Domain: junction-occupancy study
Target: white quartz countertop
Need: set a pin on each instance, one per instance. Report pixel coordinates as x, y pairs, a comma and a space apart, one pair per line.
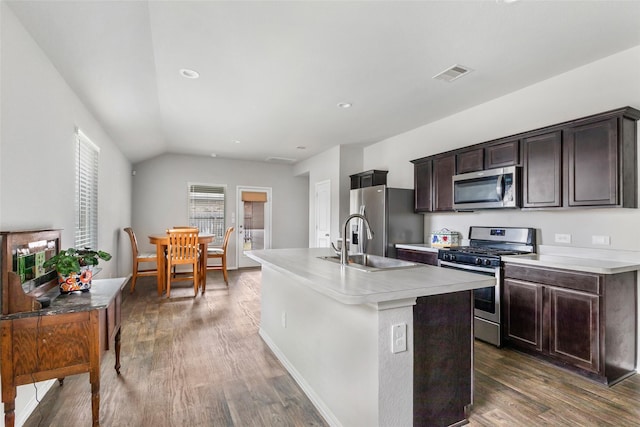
351, 286
585, 264
425, 247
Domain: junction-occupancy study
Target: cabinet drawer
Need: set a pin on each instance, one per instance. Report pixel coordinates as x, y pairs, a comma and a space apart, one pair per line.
423, 257
578, 281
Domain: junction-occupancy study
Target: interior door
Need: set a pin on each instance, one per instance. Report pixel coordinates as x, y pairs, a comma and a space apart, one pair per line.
254, 222
323, 214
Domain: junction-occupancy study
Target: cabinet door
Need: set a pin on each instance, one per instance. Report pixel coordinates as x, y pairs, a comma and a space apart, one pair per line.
443, 170
522, 307
470, 161
573, 328
355, 181
542, 171
502, 155
422, 173
592, 163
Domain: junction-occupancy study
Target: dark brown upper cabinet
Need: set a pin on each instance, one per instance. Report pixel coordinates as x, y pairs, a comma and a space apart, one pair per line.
591, 151
590, 161
470, 160
433, 183
368, 178
601, 161
542, 171
585, 162
502, 154
423, 184
444, 167
488, 156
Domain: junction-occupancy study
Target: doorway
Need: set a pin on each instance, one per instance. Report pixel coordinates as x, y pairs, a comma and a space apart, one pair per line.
254, 222
323, 214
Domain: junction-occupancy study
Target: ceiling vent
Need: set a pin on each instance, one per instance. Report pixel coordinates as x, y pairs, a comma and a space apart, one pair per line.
452, 73
274, 159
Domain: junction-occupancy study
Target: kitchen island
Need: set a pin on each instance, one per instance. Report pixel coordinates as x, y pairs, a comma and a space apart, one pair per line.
371, 348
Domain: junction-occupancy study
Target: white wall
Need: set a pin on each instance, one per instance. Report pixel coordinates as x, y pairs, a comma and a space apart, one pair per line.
39, 113
322, 167
160, 196
335, 165
39, 116
350, 163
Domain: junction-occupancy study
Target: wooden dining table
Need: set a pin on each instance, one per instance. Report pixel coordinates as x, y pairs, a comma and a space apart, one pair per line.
162, 241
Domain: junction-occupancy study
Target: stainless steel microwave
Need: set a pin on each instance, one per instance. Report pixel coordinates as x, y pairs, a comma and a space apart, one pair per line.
494, 188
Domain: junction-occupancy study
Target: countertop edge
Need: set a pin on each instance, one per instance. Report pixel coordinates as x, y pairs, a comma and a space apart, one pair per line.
314, 281
576, 264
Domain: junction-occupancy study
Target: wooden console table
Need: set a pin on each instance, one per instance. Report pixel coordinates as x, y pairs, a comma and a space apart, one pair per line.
66, 338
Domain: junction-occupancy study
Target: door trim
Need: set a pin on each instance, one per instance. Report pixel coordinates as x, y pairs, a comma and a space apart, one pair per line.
268, 220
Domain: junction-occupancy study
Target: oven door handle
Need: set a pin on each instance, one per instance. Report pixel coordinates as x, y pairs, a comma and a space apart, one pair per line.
463, 267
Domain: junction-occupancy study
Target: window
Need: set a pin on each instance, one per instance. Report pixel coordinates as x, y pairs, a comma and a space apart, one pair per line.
86, 192
206, 210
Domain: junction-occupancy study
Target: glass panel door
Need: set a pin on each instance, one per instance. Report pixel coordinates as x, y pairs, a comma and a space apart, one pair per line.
254, 222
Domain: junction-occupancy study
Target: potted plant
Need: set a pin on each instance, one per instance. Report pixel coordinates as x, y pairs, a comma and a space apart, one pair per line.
75, 268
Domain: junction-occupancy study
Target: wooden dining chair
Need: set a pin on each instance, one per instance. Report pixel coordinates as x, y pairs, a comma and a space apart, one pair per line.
183, 250
221, 253
140, 257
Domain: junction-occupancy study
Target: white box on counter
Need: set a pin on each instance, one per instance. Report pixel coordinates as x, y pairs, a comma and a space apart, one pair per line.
445, 238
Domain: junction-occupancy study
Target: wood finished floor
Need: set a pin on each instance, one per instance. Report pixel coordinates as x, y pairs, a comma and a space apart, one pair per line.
200, 362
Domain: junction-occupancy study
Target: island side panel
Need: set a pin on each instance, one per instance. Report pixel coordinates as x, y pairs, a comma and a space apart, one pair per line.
443, 351
395, 365
330, 348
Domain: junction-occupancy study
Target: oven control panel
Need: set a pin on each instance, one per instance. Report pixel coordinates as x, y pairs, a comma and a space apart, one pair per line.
469, 259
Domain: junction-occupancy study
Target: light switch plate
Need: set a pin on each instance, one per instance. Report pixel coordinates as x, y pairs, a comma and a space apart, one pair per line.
563, 238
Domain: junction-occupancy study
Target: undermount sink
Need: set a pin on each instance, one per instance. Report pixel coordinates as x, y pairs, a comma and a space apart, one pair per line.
367, 262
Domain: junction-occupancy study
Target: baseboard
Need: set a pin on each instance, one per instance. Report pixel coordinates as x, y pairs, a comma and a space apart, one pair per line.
32, 404
324, 410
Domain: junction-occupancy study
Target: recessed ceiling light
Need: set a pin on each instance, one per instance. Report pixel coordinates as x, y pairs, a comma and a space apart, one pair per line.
189, 74
345, 105
236, 141
214, 155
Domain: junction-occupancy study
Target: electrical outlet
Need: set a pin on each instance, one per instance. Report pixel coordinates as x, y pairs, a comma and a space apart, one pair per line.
600, 240
284, 319
399, 338
563, 238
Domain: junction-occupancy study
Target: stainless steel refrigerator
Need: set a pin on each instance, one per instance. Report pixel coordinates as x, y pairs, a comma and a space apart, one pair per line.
391, 216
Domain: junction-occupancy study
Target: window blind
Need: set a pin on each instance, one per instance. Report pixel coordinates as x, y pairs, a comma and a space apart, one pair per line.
86, 235
254, 196
206, 210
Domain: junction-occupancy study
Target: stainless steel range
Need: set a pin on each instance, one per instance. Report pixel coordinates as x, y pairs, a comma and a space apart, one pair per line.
483, 256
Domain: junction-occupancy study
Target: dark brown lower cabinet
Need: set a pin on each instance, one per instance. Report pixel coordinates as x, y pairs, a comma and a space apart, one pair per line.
574, 327
423, 257
523, 314
442, 363
585, 322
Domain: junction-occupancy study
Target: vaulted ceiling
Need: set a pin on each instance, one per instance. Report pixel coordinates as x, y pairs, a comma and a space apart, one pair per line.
272, 73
